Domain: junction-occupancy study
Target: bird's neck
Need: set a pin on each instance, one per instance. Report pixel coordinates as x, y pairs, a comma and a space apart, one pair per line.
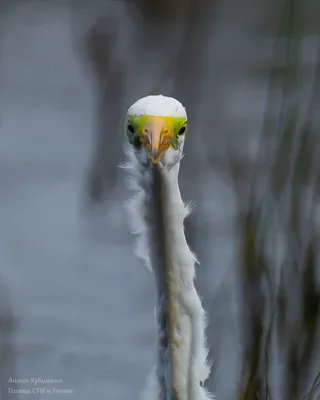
166, 230
173, 266
157, 217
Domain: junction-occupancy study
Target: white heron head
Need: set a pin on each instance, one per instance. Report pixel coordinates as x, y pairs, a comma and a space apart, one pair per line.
156, 128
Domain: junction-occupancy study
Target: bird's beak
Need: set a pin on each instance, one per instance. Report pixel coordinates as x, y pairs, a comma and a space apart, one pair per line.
156, 138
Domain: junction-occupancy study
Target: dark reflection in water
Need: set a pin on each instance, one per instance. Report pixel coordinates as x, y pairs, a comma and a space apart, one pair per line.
7, 349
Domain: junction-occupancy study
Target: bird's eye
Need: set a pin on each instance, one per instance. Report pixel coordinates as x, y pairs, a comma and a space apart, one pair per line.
130, 129
182, 130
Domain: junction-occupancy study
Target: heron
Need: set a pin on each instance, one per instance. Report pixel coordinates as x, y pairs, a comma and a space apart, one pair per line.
155, 131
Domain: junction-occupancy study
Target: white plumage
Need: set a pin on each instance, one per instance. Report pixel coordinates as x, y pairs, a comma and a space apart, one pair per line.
161, 106
185, 334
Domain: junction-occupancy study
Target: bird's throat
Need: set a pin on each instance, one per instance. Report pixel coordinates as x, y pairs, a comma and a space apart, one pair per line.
166, 279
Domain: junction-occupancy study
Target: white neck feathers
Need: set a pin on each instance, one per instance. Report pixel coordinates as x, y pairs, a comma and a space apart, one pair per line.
176, 295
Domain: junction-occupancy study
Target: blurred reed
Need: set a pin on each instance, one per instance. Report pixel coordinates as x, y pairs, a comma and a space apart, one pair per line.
281, 306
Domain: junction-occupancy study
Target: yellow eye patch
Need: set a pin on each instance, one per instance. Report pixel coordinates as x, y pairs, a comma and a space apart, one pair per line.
171, 123
173, 126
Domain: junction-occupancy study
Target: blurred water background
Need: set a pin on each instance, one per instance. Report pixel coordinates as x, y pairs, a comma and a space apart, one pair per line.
75, 305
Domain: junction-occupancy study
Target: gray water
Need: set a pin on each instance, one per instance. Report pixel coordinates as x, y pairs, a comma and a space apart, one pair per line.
81, 304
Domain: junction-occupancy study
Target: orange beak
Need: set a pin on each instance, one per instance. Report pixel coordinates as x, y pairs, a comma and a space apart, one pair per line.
156, 138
